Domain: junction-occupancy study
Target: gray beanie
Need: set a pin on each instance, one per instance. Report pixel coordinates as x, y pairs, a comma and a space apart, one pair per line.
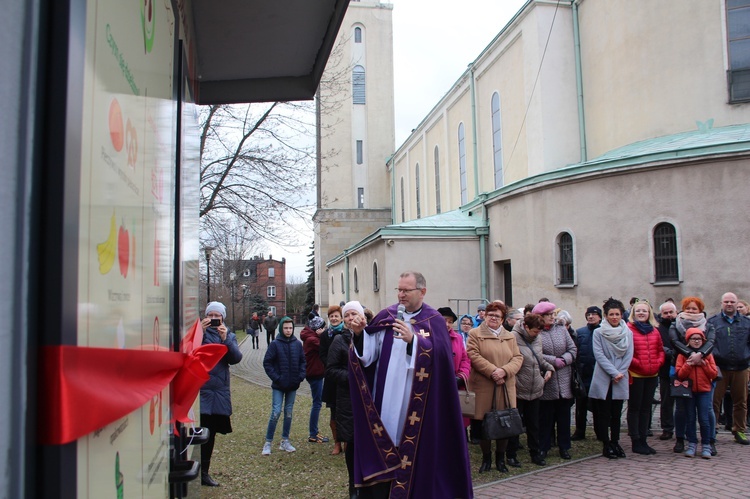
216, 306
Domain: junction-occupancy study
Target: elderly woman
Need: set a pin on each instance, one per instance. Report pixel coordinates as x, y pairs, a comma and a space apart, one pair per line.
560, 350
495, 360
530, 380
613, 351
691, 316
335, 327
216, 398
337, 371
648, 356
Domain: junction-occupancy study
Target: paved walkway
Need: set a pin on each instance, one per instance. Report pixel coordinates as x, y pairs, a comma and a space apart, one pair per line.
664, 475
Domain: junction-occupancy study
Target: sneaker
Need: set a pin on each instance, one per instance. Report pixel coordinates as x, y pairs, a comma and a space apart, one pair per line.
266, 449
740, 438
318, 439
706, 451
287, 446
690, 451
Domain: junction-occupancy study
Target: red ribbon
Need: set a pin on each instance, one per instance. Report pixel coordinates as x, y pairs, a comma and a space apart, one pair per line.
82, 389
685, 383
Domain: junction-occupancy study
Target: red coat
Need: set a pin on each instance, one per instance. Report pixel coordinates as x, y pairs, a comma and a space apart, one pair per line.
315, 368
648, 352
461, 363
702, 376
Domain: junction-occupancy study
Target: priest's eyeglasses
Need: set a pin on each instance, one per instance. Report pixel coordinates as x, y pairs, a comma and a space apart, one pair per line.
404, 290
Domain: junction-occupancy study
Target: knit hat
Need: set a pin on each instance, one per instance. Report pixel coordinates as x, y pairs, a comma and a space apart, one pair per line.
693, 331
216, 306
481, 307
594, 310
353, 305
316, 323
447, 312
545, 307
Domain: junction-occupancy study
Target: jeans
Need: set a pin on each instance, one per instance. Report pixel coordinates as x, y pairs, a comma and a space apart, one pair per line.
277, 398
680, 417
316, 387
700, 402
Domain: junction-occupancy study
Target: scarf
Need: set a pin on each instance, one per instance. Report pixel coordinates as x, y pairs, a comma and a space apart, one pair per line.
643, 327
335, 329
685, 321
617, 337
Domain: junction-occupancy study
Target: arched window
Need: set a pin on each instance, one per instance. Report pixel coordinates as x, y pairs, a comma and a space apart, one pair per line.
375, 279
342, 283
497, 140
666, 267
403, 211
358, 35
419, 204
565, 259
438, 208
462, 162
356, 281
358, 85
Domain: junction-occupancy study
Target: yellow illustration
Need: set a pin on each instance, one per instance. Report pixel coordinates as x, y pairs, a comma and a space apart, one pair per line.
108, 249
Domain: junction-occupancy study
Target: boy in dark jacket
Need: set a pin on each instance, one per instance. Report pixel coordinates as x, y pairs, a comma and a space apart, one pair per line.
285, 365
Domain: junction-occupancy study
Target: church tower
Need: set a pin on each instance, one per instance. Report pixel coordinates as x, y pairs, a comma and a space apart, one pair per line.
355, 138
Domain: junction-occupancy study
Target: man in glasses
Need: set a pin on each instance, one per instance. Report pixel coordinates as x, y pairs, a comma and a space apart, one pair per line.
405, 402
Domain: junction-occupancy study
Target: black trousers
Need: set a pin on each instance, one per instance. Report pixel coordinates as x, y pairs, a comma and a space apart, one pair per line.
529, 410
639, 406
666, 409
607, 418
551, 413
582, 409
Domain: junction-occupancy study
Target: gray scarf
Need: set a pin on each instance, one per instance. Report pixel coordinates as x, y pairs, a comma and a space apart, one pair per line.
685, 321
618, 337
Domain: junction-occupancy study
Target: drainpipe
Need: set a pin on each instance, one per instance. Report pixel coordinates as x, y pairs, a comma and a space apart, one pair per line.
393, 188
579, 82
346, 273
474, 130
483, 232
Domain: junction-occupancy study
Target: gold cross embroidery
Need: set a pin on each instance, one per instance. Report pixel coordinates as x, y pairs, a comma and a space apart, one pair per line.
422, 375
405, 462
413, 418
376, 428
424, 334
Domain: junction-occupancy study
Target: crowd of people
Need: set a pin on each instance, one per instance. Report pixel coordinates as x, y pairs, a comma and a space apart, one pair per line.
391, 381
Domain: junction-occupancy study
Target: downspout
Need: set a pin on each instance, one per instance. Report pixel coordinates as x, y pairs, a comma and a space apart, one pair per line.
579, 82
474, 130
483, 232
393, 189
346, 272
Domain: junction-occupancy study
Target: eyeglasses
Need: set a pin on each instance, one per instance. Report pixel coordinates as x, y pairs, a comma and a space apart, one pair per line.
402, 290
494, 316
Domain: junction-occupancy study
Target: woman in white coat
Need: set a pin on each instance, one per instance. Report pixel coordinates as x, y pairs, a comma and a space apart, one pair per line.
613, 351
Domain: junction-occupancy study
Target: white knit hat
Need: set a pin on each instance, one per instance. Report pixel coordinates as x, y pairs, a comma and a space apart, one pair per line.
216, 306
353, 305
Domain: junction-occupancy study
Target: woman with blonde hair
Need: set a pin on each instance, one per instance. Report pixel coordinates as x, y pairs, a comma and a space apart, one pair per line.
648, 356
495, 360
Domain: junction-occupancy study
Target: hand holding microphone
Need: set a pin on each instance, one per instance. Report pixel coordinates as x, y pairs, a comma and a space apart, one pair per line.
397, 327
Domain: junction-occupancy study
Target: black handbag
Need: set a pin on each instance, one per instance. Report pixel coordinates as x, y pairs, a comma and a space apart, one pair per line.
681, 388
576, 383
505, 423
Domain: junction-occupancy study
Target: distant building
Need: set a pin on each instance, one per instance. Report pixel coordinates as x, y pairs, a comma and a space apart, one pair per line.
265, 277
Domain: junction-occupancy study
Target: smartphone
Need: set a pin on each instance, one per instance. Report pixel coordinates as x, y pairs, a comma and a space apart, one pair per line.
215, 322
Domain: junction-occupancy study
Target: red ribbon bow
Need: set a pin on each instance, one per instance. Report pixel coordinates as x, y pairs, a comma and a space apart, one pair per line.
685, 383
82, 389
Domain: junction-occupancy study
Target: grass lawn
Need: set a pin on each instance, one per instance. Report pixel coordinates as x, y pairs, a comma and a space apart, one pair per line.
311, 471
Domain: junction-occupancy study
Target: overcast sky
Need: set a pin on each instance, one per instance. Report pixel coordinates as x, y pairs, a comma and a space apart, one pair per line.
433, 43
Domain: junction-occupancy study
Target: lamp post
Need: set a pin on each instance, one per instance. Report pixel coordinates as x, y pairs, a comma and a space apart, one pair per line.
208, 250
244, 305
232, 277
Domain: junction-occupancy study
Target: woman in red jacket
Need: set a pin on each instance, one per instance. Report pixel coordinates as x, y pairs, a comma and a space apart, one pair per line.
648, 356
701, 375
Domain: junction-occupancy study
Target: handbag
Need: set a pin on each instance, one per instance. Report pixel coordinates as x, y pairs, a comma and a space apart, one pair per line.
505, 423
467, 399
576, 383
681, 388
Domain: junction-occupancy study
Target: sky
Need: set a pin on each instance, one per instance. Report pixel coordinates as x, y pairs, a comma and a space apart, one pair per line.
433, 43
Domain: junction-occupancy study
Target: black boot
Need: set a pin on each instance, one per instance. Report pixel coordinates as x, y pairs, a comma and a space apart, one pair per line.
513, 461
207, 480
608, 451
486, 463
500, 462
538, 459
650, 449
619, 452
679, 446
639, 446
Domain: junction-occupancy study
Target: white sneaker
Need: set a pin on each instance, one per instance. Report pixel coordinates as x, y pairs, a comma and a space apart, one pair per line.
266, 449
287, 446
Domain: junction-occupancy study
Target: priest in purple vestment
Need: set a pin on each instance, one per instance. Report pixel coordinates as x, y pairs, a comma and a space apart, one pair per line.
408, 428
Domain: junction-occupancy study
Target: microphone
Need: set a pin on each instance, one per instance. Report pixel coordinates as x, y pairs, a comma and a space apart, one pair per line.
399, 315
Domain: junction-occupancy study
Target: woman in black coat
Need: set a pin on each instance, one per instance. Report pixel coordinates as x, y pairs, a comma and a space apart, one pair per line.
337, 371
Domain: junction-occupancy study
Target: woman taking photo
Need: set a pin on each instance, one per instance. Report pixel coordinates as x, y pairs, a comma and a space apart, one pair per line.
648, 356
530, 380
495, 360
613, 351
335, 327
559, 350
